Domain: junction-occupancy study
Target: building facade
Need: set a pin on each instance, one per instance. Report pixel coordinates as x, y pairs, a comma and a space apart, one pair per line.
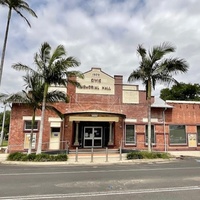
105, 112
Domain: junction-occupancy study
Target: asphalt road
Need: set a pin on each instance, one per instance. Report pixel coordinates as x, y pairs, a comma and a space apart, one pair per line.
173, 180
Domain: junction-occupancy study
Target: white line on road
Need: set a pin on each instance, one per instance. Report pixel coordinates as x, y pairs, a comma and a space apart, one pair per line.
94, 194
99, 171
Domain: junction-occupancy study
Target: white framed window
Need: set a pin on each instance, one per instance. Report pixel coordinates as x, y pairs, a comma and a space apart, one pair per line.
130, 134
27, 125
177, 135
153, 135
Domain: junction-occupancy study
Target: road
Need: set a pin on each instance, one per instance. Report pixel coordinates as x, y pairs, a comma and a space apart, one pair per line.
173, 180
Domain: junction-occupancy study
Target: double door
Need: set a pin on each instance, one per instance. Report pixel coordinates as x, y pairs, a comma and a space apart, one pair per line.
92, 137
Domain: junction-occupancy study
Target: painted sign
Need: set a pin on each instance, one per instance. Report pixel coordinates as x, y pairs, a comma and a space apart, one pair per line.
192, 140
96, 82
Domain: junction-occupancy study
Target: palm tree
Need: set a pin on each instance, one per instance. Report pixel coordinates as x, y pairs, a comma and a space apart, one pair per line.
52, 69
32, 97
18, 6
155, 68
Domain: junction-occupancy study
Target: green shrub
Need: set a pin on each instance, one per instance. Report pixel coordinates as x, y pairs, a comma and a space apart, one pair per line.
61, 157
147, 155
18, 156
31, 157
134, 155
43, 157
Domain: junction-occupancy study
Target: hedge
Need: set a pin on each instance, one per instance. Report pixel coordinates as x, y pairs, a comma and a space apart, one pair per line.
146, 155
18, 156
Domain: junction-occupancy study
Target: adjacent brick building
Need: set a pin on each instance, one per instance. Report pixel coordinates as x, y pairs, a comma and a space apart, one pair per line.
105, 112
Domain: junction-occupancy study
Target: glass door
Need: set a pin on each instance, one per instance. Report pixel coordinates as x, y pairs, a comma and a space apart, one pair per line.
92, 137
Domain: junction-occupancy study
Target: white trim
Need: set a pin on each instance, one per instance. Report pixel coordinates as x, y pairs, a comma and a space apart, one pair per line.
185, 102
55, 124
130, 120
152, 119
95, 119
29, 118
55, 119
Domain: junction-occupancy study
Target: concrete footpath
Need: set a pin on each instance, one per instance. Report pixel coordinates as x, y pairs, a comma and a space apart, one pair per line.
88, 159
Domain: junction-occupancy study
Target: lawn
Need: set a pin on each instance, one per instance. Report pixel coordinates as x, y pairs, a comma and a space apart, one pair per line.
5, 143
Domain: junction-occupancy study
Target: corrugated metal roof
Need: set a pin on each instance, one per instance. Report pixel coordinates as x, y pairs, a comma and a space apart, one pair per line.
159, 103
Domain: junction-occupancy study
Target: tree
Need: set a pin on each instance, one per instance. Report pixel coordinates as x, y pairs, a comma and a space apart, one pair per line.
18, 6
32, 97
52, 68
154, 68
4, 128
181, 91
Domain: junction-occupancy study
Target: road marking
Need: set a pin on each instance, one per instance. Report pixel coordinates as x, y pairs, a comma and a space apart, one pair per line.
99, 171
94, 194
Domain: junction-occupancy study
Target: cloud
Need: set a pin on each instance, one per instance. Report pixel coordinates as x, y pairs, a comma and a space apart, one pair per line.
103, 34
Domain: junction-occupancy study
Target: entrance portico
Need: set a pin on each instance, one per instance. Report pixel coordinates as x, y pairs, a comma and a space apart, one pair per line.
94, 129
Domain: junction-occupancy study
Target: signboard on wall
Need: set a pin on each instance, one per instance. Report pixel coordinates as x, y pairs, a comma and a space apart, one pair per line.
27, 139
192, 140
96, 82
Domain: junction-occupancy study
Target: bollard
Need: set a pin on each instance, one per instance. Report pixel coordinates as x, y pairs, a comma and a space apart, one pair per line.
76, 159
106, 154
120, 153
92, 151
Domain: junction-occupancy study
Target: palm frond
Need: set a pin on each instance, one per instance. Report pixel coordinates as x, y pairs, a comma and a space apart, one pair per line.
18, 6
18, 97
71, 62
158, 52
74, 74
19, 13
44, 54
175, 65
141, 51
25, 6
22, 67
58, 53
55, 110
3, 2
56, 96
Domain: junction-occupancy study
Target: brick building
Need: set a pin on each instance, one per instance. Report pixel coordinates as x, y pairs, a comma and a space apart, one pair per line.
104, 112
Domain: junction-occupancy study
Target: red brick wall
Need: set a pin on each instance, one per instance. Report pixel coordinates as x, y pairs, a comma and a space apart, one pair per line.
186, 114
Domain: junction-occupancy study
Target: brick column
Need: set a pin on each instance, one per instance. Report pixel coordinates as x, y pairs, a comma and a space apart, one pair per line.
110, 134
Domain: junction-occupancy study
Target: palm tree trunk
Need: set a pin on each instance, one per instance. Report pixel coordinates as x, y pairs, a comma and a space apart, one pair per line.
39, 147
149, 114
4, 44
31, 135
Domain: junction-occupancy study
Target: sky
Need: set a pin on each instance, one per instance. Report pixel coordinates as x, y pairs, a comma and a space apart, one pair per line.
103, 34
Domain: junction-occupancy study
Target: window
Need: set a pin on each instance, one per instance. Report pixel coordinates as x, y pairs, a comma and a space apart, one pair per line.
130, 134
153, 138
198, 134
177, 134
27, 125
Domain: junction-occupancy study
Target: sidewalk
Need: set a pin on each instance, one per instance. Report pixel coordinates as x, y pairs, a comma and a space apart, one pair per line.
88, 159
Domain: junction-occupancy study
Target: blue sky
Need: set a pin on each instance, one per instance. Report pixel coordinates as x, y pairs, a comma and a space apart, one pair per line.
103, 33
